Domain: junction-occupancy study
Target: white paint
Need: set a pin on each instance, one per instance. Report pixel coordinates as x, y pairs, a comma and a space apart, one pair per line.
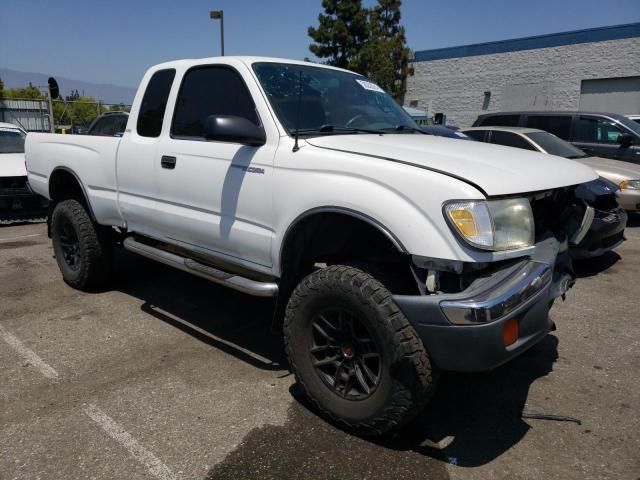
29, 355
137, 451
11, 239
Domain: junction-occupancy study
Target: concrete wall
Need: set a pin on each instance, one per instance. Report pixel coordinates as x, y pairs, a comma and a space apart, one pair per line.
540, 79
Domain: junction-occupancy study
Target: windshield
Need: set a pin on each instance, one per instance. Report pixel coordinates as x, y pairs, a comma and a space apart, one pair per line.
554, 145
331, 101
630, 124
11, 141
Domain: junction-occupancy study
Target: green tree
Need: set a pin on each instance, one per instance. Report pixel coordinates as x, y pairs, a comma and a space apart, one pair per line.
341, 31
386, 56
29, 92
79, 111
368, 41
1, 88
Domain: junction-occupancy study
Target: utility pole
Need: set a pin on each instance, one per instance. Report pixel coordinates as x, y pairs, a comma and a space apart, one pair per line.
219, 15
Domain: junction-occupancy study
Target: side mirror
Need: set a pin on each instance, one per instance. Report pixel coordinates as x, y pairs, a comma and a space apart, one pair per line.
230, 128
626, 139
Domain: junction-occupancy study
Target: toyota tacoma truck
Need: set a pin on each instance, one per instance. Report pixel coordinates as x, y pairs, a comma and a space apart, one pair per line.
392, 254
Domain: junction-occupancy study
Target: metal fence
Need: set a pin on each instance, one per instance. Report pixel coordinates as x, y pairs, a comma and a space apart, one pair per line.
31, 115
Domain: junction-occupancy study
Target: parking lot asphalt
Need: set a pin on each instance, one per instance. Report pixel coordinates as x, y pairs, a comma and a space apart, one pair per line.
168, 376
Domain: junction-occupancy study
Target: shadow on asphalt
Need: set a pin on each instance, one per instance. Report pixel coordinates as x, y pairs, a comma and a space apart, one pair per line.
472, 419
230, 321
634, 220
588, 267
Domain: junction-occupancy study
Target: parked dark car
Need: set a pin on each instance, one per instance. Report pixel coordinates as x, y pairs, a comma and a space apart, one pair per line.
110, 124
598, 134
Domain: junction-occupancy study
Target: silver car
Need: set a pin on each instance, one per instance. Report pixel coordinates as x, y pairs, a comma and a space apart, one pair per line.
624, 174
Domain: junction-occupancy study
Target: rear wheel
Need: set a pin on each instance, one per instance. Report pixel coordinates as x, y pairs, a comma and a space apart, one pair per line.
82, 248
354, 353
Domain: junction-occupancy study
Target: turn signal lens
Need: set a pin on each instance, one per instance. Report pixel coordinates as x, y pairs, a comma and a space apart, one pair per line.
463, 219
510, 332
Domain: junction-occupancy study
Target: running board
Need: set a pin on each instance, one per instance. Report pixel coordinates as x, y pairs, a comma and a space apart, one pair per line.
243, 284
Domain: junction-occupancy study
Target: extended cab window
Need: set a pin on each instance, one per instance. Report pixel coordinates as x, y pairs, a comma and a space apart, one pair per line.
559, 125
509, 139
479, 135
154, 103
205, 91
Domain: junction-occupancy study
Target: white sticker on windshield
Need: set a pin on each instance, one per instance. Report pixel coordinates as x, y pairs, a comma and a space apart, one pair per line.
369, 86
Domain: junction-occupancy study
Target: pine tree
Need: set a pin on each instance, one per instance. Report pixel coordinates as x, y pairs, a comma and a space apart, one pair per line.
368, 41
385, 55
341, 32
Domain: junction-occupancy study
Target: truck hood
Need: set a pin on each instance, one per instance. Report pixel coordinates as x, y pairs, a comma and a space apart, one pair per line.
616, 170
12, 165
495, 169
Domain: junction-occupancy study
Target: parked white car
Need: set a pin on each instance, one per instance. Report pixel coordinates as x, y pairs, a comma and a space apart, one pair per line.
15, 194
393, 254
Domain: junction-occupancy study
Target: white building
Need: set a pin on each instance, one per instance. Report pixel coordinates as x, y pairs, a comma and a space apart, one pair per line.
596, 69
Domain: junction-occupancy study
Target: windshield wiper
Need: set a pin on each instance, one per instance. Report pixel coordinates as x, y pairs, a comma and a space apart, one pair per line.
405, 128
331, 129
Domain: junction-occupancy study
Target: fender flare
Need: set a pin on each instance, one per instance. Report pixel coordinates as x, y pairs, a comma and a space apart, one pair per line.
82, 188
345, 211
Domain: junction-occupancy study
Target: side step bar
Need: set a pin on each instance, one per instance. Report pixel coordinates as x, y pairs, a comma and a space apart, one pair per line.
246, 285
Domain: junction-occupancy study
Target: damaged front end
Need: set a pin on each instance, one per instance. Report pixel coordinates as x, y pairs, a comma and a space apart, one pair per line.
18, 202
475, 316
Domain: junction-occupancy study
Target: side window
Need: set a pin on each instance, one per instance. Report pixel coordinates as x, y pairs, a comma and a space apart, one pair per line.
596, 130
509, 139
479, 135
121, 124
103, 126
154, 103
208, 91
559, 125
501, 121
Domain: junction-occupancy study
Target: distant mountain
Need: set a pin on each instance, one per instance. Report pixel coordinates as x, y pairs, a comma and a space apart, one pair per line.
106, 93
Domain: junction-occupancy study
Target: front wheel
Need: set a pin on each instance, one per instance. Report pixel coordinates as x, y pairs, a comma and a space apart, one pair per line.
354, 353
82, 248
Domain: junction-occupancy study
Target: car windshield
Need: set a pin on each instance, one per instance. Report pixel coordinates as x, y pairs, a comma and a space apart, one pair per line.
627, 122
11, 141
555, 146
330, 101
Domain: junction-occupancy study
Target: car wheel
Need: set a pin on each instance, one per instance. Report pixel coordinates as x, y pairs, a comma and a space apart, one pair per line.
354, 353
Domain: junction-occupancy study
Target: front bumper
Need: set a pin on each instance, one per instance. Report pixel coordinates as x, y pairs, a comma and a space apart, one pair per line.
464, 331
606, 233
16, 194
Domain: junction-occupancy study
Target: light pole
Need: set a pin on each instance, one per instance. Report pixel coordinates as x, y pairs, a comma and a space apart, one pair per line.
219, 15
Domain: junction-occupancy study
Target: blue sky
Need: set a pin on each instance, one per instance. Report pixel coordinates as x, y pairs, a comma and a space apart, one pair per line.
115, 41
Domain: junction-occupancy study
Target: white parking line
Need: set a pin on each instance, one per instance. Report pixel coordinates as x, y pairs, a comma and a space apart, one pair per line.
11, 239
137, 451
29, 355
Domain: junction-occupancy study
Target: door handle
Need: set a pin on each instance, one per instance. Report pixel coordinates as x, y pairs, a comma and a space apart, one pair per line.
168, 162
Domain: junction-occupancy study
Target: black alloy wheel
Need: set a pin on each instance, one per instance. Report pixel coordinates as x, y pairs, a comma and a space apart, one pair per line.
345, 355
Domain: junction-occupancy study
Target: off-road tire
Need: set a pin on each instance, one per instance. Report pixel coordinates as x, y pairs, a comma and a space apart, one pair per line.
93, 268
407, 378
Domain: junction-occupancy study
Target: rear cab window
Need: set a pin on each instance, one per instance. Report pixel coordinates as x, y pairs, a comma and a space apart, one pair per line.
479, 135
154, 103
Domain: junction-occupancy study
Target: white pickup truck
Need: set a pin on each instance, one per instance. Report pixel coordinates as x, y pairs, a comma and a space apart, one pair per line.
392, 254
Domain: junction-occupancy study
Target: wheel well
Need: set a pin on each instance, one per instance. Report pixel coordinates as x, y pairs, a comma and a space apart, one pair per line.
337, 237
64, 185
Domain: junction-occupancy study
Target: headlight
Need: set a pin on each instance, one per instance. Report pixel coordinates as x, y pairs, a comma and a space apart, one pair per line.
493, 225
630, 185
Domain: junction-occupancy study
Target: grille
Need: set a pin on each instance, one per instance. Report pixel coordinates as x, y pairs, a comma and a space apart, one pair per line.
14, 185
